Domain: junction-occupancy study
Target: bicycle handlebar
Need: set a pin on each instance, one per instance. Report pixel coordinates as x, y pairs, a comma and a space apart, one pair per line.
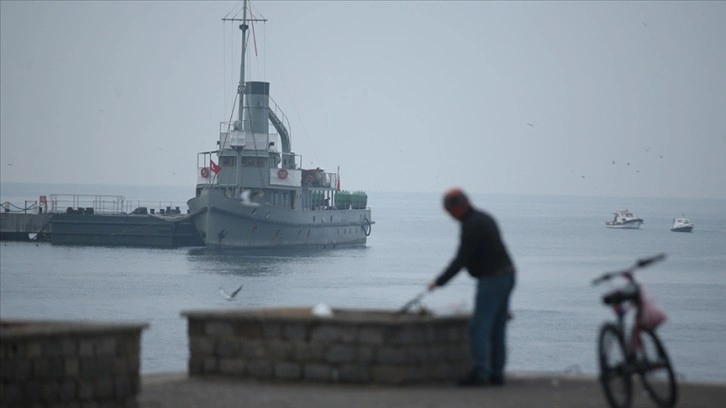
602, 278
640, 263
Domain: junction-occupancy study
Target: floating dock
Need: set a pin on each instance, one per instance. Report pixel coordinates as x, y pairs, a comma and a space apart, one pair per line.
100, 221
101, 230
25, 227
124, 230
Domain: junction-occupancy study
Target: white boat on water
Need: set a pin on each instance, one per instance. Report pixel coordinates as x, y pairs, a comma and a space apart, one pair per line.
682, 224
624, 219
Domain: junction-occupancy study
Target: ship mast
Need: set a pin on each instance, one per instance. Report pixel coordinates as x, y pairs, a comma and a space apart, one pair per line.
241, 86
238, 124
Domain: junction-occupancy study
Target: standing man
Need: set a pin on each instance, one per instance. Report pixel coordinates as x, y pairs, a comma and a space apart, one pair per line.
484, 255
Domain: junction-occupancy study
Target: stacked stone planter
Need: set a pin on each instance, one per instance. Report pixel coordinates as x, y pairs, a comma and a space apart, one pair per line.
57, 364
358, 346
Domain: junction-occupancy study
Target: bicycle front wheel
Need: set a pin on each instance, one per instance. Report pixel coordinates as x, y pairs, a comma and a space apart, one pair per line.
656, 370
615, 377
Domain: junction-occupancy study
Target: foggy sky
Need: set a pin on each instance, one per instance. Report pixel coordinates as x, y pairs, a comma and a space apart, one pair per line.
530, 98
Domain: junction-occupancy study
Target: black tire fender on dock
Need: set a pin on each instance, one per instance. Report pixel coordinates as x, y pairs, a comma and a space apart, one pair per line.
366, 224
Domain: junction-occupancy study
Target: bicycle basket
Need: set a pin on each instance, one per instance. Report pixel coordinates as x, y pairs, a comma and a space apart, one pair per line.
651, 316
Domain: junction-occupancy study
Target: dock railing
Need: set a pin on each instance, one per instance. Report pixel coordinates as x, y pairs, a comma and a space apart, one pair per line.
95, 204
155, 207
80, 203
29, 207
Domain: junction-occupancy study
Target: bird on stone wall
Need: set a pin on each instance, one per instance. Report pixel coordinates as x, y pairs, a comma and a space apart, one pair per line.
230, 296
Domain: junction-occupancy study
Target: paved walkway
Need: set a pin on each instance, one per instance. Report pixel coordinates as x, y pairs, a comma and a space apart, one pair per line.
523, 390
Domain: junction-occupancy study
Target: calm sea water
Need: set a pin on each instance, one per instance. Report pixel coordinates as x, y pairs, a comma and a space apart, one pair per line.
559, 244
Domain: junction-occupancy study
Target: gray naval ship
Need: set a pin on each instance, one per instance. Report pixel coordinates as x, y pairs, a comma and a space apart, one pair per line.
256, 196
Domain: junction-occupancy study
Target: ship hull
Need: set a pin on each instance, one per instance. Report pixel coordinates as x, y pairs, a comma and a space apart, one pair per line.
682, 229
225, 222
635, 224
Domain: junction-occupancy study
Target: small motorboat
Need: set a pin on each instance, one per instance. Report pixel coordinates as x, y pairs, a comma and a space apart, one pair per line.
682, 224
624, 219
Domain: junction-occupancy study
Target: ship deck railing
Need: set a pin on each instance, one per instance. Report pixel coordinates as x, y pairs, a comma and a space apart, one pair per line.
275, 108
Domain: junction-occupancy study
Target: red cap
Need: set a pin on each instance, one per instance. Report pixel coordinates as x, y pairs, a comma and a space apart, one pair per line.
456, 203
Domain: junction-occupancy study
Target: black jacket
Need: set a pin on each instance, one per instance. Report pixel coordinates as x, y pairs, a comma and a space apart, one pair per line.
481, 249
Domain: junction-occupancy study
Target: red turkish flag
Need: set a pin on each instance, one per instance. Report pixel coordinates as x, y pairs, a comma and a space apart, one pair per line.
213, 166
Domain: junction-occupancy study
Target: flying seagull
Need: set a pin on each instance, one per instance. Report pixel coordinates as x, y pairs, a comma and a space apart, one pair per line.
230, 296
245, 196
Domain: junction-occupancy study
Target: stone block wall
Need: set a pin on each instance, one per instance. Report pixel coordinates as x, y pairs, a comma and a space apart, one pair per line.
66, 364
357, 346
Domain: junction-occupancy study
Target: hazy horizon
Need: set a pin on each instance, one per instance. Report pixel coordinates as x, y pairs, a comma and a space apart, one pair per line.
118, 189
536, 98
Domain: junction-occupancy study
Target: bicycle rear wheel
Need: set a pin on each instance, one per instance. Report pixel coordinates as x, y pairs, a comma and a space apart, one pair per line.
656, 370
615, 377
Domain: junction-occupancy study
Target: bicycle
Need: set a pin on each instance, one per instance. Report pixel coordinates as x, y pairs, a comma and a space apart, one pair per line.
624, 352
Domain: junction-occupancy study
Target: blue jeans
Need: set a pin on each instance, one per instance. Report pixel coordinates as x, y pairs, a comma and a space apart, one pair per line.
488, 324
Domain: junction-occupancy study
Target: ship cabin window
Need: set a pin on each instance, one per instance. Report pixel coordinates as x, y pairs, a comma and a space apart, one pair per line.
253, 162
227, 161
280, 199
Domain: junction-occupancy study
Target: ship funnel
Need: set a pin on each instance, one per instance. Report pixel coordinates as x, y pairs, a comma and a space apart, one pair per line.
257, 98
